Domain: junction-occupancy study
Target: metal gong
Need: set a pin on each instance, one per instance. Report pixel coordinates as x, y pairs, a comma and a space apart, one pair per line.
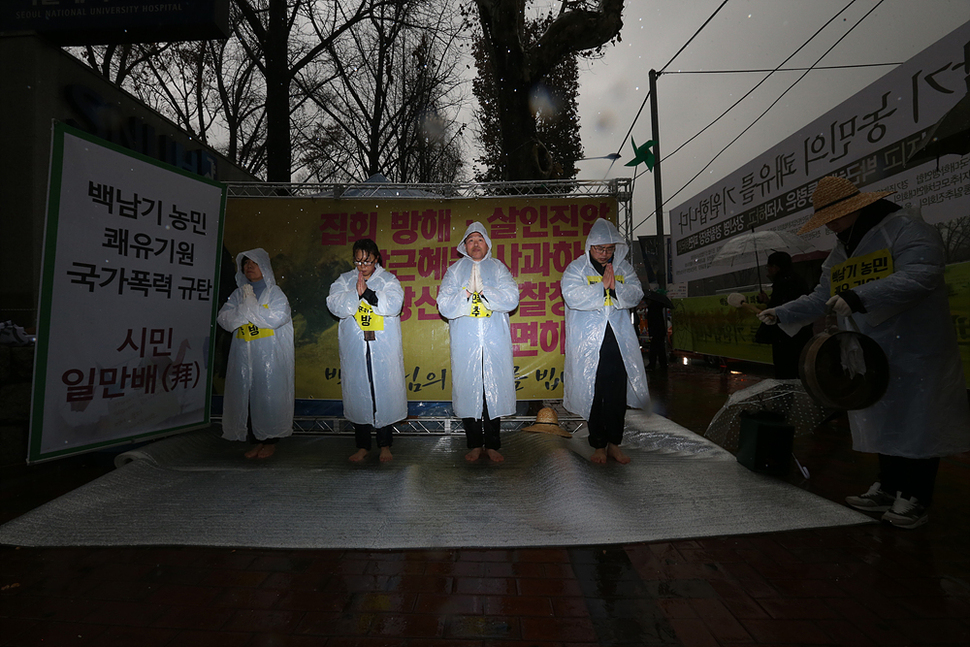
821, 371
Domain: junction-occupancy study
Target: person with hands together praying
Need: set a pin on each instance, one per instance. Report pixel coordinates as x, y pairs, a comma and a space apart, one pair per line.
476, 296
259, 392
368, 301
603, 372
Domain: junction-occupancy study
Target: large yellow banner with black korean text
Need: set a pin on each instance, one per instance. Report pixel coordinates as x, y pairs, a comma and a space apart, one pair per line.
310, 243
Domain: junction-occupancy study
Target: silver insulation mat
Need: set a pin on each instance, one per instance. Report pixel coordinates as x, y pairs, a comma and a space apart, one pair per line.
197, 489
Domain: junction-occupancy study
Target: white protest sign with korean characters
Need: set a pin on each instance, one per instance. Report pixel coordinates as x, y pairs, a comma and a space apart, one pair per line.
128, 300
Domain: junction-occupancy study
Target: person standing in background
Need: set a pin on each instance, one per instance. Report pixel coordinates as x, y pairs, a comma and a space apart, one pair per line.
786, 285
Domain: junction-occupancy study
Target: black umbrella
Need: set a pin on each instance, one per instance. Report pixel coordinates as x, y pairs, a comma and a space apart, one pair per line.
662, 299
950, 135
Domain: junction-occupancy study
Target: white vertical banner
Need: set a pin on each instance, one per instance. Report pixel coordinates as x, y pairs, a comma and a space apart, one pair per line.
128, 300
868, 139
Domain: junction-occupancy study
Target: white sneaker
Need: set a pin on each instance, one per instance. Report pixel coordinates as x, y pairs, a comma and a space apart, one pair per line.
906, 513
875, 500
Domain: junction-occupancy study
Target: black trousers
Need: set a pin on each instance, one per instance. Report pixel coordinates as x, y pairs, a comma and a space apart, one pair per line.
484, 432
609, 395
910, 476
362, 436
385, 435
787, 351
657, 354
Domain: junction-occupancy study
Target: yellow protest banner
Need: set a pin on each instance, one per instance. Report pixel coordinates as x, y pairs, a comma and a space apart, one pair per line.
309, 241
708, 325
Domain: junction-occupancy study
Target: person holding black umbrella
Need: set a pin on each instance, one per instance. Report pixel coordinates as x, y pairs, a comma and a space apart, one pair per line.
786, 286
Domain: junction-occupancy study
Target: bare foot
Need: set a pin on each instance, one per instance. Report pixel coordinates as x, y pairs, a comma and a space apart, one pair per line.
494, 455
599, 456
253, 451
614, 452
358, 456
386, 455
266, 451
473, 455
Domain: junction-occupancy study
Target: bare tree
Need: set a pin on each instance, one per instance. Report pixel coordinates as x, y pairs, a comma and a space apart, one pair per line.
956, 239
580, 26
285, 39
398, 85
117, 62
295, 79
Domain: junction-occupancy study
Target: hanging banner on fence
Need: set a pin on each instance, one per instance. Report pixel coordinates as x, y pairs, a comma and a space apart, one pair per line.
127, 308
872, 139
709, 326
310, 243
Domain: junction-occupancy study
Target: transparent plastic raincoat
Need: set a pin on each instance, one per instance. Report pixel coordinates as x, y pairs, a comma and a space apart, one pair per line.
481, 340
259, 376
386, 353
924, 413
588, 314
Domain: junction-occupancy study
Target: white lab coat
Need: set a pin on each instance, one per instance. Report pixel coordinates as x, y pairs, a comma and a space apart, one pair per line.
259, 375
924, 413
390, 402
587, 317
481, 347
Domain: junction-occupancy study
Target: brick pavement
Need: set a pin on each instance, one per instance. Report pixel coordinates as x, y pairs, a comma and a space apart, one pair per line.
861, 585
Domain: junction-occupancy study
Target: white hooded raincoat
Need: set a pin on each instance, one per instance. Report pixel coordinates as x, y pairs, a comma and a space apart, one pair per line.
924, 413
588, 315
386, 353
259, 376
481, 340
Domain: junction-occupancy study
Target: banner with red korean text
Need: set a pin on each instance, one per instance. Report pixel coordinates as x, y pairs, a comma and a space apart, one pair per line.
310, 242
127, 307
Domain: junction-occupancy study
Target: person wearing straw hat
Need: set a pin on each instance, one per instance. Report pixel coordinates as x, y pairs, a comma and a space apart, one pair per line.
603, 373
886, 274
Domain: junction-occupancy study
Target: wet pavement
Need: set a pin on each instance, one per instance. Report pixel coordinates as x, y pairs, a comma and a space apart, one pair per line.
858, 585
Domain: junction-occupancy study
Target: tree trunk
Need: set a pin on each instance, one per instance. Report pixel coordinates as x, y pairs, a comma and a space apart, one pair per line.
517, 71
278, 150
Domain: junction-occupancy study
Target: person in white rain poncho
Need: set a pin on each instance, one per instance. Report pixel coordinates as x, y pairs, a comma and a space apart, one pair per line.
368, 302
905, 309
259, 375
476, 296
604, 372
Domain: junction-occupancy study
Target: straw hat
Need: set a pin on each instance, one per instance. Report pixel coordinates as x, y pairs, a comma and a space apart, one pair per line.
547, 421
835, 197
